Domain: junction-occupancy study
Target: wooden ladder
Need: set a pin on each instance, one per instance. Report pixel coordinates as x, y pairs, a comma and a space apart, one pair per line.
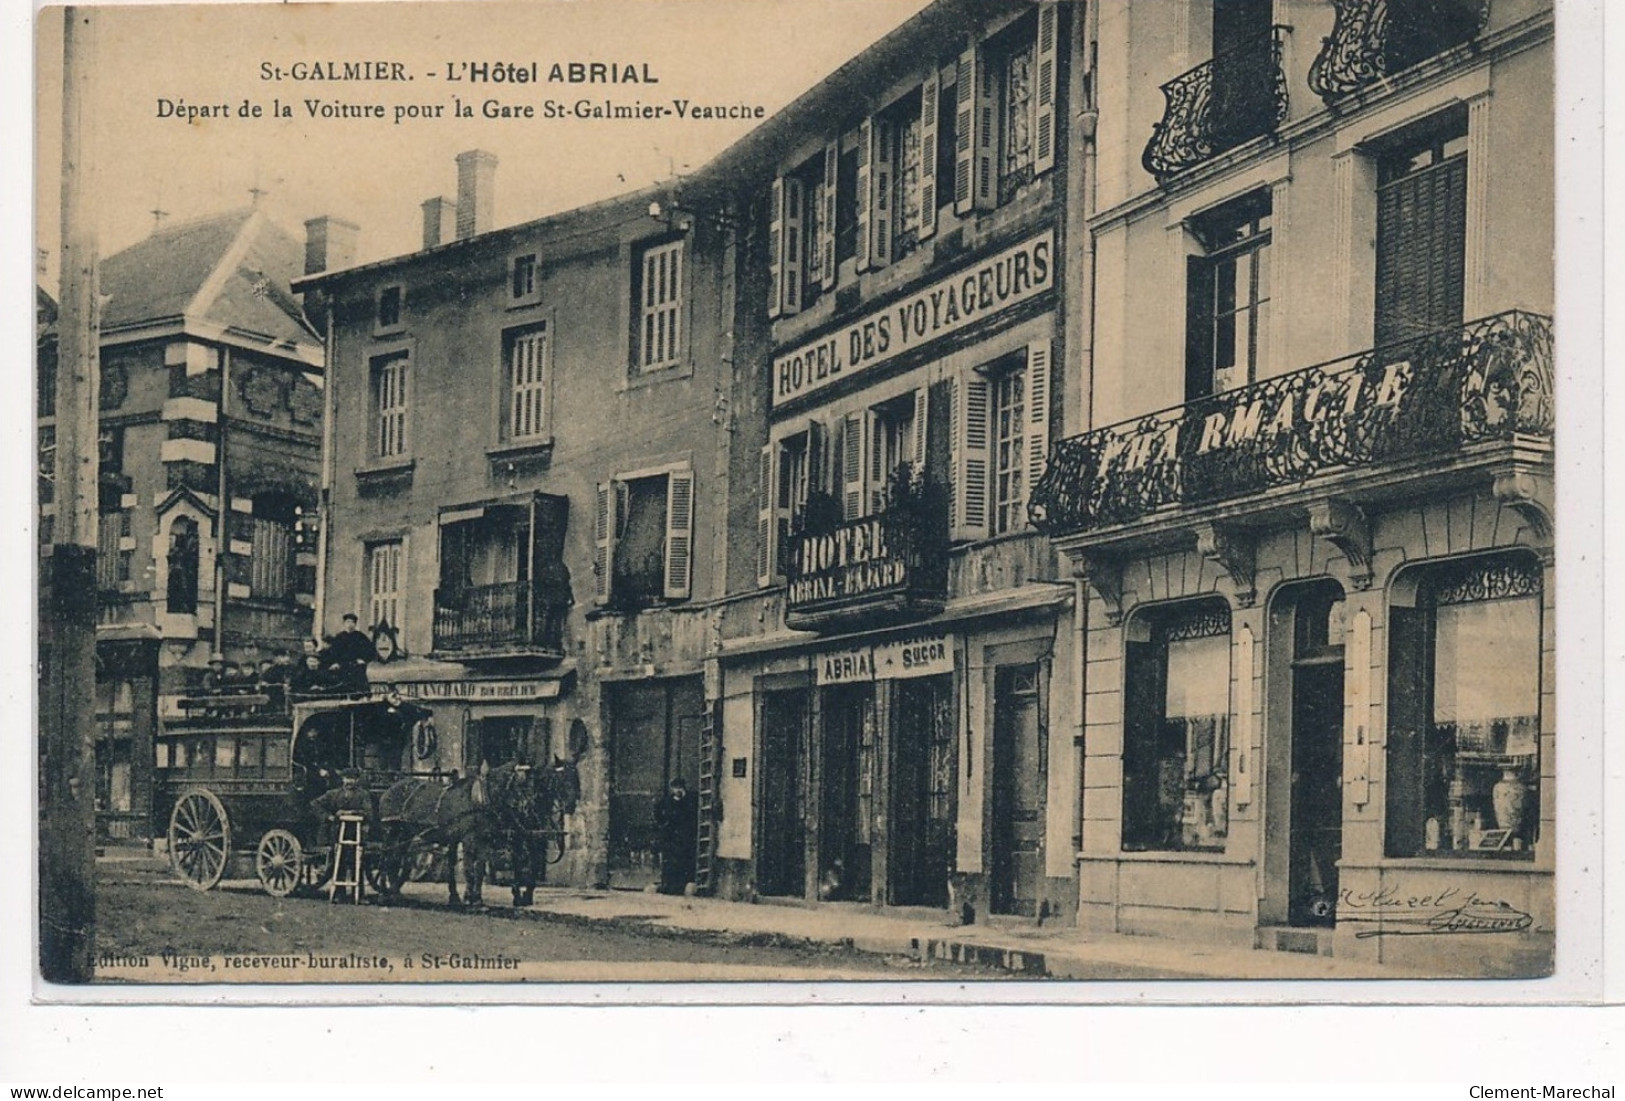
349, 839
710, 747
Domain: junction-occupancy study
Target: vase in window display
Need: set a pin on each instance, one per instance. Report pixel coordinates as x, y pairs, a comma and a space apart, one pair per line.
1510, 798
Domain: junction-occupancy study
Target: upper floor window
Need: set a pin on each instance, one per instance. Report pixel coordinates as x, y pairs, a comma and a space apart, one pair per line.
391, 397
47, 463
1422, 229
388, 316
1000, 441
527, 414
1228, 298
643, 534
384, 568
522, 283
181, 582
115, 549
275, 521
658, 291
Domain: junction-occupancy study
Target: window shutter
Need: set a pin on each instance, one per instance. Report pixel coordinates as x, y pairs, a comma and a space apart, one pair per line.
1038, 381
854, 438
964, 116
972, 394
826, 221
878, 472
679, 533
865, 193
603, 534
985, 139
881, 170
917, 456
930, 91
1421, 252
792, 242
775, 247
1198, 327
817, 442
766, 516
1046, 57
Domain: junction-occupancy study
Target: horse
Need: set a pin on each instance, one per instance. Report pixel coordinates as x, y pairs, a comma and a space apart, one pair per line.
513, 804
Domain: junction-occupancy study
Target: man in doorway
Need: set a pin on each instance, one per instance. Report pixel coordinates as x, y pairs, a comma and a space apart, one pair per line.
677, 827
348, 655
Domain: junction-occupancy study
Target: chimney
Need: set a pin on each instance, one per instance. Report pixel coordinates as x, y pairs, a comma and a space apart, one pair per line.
476, 198
329, 244
439, 221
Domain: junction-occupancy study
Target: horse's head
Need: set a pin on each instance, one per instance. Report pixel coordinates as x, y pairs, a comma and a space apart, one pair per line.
563, 785
514, 791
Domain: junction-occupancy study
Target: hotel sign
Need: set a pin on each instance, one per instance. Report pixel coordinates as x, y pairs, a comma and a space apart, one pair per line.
850, 561
946, 306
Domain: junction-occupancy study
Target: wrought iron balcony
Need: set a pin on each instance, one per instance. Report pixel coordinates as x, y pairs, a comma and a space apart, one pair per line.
1236, 96
1432, 397
889, 567
1373, 39
506, 618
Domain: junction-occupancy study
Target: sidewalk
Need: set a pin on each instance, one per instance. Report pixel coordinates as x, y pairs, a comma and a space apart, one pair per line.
1034, 951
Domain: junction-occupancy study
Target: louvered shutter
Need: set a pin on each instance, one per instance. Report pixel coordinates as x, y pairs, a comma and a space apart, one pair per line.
826, 220
1198, 327
881, 171
864, 197
679, 534
766, 520
817, 443
1421, 251
985, 139
775, 249
1046, 57
926, 185
879, 475
790, 267
854, 438
603, 537
916, 457
971, 408
964, 118
1038, 382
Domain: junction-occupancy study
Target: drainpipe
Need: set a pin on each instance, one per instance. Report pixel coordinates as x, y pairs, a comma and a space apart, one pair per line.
222, 537
324, 499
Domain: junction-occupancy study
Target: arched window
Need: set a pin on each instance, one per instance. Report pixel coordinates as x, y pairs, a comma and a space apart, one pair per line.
183, 566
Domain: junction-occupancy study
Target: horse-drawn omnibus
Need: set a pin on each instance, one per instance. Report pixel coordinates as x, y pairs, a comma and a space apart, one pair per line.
238, 771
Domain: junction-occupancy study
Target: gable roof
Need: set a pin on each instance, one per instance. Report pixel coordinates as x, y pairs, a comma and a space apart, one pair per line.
231, 270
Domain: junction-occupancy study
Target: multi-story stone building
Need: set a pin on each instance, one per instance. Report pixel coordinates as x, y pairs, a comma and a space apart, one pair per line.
526, 487
210, 442
1313, 504
898, 718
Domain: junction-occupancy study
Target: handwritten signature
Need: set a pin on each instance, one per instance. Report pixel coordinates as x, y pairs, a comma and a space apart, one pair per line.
1395, 913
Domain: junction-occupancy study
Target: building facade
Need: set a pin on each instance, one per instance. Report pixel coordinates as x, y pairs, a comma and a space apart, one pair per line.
210, 442
898, 725
1313, 501
526, 490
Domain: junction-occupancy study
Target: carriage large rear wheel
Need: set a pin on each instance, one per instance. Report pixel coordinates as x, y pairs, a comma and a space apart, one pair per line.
280, 863
199, 839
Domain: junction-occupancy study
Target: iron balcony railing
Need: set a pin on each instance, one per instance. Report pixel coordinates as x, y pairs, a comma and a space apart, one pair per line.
1487, 380
1234, 97
1373, 39
503, 616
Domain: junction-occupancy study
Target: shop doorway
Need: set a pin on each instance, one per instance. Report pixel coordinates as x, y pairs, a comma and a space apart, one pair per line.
845, 792
920, 844
654, 738
781, 849
1315, 829
1017, 849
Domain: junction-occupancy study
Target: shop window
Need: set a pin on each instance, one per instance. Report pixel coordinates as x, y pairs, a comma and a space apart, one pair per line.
527, 391
1463, 775
1422, 229
658, 292
391, 405
1228, 298
1176, 729
643, 535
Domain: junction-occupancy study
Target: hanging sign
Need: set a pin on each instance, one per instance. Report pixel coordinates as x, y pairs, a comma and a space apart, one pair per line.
926, 655
487, 691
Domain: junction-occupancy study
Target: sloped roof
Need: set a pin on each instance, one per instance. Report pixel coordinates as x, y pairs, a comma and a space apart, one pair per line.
230, 269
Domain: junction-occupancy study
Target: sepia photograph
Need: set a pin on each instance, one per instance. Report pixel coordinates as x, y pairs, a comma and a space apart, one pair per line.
991, 495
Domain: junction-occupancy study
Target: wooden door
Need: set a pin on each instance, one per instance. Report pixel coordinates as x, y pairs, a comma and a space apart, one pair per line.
782, 832
1316, 841
1018, 793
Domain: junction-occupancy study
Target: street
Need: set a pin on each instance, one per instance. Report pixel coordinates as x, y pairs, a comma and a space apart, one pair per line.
152, 928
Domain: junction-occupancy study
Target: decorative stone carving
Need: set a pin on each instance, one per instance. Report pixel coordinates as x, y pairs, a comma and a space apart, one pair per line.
1104, 574
1236, 553
1345, 527
1529, 494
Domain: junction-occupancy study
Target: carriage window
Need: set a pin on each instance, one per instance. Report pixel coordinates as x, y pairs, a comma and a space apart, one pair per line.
225, 753
276, 754
249, 755
162, 752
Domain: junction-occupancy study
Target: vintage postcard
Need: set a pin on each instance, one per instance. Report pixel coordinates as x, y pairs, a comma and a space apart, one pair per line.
899, 491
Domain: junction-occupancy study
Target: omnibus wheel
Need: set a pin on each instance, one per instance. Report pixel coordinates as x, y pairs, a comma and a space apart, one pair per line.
199, 839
